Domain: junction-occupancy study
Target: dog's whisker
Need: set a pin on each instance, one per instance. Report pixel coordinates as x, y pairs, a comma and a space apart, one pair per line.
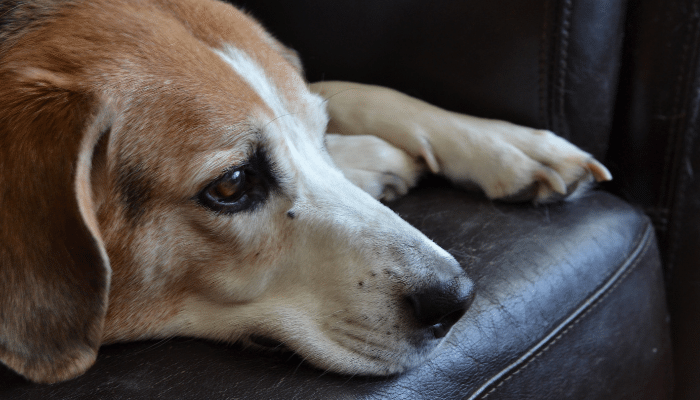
278, 117
303, 360
373, 332
205, 216
156, 344
327, 99
11, 10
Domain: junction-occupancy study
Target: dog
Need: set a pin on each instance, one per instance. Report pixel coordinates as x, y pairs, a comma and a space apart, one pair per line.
165, 170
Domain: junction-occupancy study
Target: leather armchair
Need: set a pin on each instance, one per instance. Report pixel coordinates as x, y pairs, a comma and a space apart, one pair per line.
571, 298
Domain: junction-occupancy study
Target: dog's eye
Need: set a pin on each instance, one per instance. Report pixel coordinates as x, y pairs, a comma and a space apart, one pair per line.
241, 188
229, 188
232, 192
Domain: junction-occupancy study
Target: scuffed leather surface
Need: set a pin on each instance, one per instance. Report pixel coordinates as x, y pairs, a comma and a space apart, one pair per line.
533, 267
597, 349
655, 157
550, 64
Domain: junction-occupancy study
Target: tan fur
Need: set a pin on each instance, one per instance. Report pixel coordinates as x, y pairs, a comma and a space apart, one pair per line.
100, 60
117, 114
171, 114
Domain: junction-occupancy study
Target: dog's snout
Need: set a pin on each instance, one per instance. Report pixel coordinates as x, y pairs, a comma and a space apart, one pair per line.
439, 306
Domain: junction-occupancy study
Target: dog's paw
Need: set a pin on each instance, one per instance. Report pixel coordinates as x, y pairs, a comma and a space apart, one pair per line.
545, 178
516, 163
375, 166
507, 161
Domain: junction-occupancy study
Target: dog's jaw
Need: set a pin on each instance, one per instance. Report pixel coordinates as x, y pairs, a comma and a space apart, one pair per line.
312, 282
192, 91
333, 281
329, 283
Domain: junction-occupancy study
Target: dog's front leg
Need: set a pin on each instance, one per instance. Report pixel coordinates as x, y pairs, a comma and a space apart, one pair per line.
506, 161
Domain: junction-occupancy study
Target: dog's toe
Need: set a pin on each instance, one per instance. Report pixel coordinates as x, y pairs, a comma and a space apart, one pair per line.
375, 166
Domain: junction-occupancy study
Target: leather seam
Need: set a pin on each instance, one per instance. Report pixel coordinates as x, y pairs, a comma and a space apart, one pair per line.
563, 328
683, 143
675, 117
544, 70
563, 63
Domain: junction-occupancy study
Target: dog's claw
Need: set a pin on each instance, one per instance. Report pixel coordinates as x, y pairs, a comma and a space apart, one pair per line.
552, 179
598, 170
426, 151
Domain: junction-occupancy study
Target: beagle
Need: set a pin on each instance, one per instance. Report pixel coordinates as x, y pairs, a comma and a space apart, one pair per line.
165, 171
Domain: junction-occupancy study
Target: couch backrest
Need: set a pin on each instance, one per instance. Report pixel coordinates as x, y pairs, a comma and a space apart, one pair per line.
543, 63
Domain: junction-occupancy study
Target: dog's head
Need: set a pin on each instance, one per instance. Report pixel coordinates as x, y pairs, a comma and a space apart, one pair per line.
163, 172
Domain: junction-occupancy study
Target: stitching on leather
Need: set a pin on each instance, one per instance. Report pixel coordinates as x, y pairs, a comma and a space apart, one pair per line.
646, 239
677, 185
670, 145
563, 64
577, 320
675, 116
543, 75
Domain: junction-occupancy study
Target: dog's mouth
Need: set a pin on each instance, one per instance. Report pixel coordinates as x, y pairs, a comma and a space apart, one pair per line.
355, 352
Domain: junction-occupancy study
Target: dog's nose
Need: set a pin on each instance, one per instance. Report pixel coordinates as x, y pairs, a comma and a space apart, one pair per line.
441, 305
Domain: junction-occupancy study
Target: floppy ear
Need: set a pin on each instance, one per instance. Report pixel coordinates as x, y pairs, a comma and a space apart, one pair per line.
54, 271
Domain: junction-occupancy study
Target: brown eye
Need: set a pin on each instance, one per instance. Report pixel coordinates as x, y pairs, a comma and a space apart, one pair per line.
244, 187
230, 193
229, 188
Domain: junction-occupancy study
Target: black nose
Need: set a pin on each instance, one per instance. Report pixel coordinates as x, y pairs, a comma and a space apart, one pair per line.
440, 306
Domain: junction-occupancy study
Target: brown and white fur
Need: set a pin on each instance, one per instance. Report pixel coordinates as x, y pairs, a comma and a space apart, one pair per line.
164, 171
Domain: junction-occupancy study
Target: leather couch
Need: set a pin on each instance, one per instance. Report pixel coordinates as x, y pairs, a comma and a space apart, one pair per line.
571, 298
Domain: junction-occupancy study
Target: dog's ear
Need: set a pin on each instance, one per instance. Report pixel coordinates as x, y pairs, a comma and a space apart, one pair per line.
54, 271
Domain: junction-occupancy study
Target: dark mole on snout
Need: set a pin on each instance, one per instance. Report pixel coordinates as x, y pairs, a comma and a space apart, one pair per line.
291, 214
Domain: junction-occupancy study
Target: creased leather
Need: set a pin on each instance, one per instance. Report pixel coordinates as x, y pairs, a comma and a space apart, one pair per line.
533, 267
548, 63
581, 351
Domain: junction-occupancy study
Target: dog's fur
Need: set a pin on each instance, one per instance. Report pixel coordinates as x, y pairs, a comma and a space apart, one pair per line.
123, 125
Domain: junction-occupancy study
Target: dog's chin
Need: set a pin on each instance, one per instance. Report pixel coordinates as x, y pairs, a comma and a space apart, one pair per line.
351, 355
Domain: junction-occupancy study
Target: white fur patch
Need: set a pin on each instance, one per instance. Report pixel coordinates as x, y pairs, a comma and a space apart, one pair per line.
256, 78
301, 102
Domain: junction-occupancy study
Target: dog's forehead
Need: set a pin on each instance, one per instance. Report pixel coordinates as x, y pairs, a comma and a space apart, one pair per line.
187, 136
202, 107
